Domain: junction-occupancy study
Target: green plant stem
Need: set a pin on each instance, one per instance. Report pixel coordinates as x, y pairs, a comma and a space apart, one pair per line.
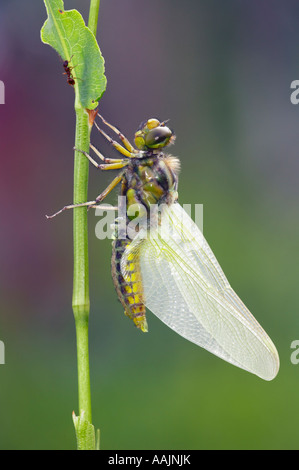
81, 272
81, 303
93, 16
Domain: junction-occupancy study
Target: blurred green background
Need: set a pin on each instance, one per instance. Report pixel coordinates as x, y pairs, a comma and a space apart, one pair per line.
221, 71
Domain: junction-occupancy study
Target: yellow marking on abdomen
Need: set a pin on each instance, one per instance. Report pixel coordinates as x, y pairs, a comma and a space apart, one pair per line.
129, 290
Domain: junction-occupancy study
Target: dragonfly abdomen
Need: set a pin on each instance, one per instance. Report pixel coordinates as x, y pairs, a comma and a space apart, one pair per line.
129, 290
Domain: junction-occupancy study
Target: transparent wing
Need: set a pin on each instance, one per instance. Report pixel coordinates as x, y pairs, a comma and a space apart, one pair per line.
186, 288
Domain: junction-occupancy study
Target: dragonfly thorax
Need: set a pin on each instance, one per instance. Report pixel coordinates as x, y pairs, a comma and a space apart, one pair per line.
151, 180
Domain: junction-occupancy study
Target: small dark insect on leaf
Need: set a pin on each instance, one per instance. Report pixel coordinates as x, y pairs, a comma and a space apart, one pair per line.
66, 32
68, 71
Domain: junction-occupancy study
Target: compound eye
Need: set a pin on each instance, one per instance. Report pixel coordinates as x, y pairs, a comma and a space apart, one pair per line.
139, 140
158, 137
152, 123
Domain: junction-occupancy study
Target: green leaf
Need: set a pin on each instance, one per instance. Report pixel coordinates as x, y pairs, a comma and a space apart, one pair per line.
66, 32
85, 433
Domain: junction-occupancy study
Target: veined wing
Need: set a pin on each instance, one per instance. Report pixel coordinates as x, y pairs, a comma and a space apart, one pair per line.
186, 288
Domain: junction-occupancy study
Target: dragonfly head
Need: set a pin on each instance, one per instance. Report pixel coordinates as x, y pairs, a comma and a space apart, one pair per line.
153, 134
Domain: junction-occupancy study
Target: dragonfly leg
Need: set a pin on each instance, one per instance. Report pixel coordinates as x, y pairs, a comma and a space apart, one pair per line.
124, 139
103, 207
106, 160
109, 188
113, 166
116, 145
92, 204
70, 206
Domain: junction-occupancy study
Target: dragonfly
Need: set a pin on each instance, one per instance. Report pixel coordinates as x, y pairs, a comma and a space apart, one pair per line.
166, 265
